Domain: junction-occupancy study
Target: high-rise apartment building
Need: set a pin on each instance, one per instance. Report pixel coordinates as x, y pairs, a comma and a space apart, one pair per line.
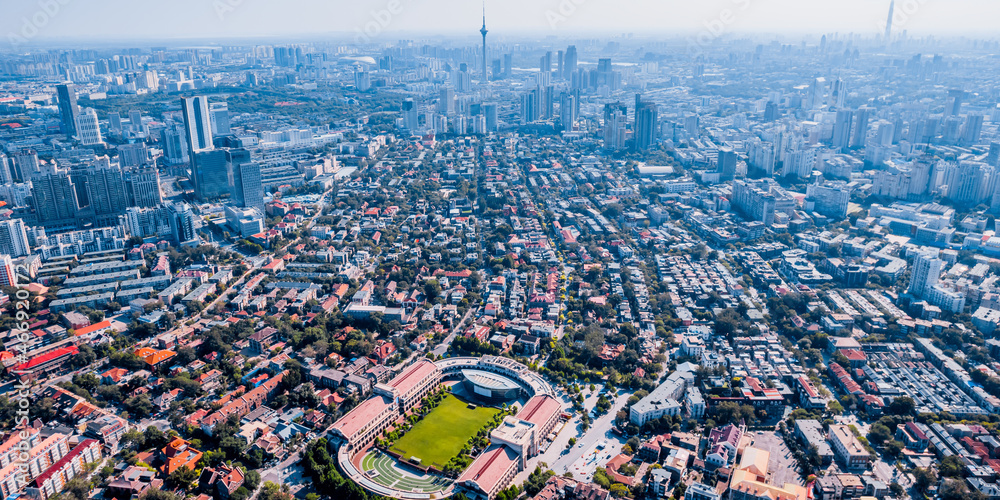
14, 238
925, 274
615, 115
8, 276
143, 185
54, 197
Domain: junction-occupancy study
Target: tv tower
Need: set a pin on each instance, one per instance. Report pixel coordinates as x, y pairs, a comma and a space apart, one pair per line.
888, 22
486, 76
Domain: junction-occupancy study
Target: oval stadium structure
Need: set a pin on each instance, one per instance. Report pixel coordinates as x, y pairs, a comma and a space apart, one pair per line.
490, 387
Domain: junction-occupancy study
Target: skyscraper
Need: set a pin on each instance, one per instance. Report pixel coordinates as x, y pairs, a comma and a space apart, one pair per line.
842, 130
88, 128
569, 67
182, 222
925, 274
6, 175
446, 102
133, 155
888, 22
14, 238
115, 122
143, 184
529, 106
614, 126
54, 197
817, 93
25, 164
175, 147
972, 130
490, 112
218, 113
106, 192
567, 110
993, 159
68, 108
862, 119
410, 117
483, 30
953, 105
210, 172
362, 79
197, 124
771, 112
646, 124
248, 191
135, 122
727, 160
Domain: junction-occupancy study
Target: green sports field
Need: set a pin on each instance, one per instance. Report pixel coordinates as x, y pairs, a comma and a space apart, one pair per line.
442, 433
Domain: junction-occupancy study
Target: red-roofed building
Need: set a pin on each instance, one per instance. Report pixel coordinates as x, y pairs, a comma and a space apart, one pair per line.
178, 453
543, 412
490, 473
49, 362
94, 330
52, 481
413, 383
360, 426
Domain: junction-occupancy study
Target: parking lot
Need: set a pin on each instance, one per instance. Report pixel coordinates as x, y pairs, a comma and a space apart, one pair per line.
782, 466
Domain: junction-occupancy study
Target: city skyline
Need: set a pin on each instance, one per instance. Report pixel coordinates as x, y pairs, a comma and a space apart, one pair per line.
29, 22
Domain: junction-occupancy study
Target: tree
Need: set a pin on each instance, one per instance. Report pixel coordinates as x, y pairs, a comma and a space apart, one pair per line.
923, 479
432, 289
956, 489
835, 407
897, 490
903, 405
158, 494
619, 490
273, 491
183, 478
951, 466
77, 488
879, 434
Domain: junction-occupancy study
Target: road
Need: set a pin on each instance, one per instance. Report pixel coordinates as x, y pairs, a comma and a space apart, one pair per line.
443, 346
580, 460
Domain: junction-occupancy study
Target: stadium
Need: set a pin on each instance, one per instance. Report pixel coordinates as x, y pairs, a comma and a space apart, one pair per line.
411, 466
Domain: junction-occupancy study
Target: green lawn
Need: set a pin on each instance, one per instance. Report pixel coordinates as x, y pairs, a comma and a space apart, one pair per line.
442, 433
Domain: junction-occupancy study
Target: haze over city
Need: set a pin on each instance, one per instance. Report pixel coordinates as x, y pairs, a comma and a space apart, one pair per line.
519, 250
222, 19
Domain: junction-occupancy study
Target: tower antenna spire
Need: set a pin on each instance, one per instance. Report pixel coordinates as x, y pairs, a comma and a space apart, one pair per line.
483, 30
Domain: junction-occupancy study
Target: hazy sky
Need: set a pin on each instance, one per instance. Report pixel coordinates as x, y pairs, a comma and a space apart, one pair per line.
161, 19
